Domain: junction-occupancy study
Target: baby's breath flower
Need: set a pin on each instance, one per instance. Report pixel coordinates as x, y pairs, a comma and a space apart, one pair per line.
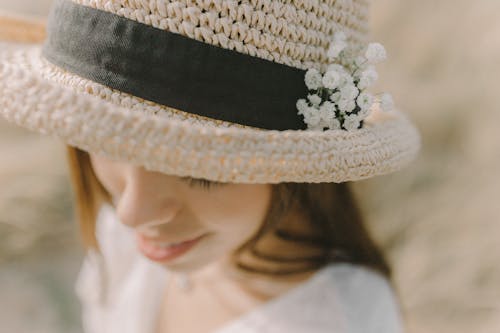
386, 102
346, 105
367, 78
336, 68
360, 61
346, 80
334, 124
318, 127
337, 45
331, 79
301, 105
351, 122
349, 91
327, 111
365, 100
308, 111
312, 117
335, 49
375, 53
363, 113
313, 79
314, 99
335, 97
343, 85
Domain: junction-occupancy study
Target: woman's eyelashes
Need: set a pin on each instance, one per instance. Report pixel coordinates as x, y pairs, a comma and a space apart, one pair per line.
203, 183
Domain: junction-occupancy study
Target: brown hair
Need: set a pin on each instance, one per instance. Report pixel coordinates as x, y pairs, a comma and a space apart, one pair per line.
334, 220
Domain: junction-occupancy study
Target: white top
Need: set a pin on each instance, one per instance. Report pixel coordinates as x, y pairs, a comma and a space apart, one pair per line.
121, 291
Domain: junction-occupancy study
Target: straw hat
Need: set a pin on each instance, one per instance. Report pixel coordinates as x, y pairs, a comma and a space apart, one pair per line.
201, 88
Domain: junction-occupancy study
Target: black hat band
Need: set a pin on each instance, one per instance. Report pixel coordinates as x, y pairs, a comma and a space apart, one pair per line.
173, 70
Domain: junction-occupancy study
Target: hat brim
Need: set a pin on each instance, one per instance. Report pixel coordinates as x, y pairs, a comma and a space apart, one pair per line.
37, 95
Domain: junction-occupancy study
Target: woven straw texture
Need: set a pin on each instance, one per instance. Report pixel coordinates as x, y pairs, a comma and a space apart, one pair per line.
41, 97
292, 32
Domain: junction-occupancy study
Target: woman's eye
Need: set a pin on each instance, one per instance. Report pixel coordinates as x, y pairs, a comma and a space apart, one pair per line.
206, 184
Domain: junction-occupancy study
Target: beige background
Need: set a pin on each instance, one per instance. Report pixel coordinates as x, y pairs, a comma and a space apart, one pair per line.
437, 219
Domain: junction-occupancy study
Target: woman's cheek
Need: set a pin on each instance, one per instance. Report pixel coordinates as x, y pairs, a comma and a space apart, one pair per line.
109, 175
233, 210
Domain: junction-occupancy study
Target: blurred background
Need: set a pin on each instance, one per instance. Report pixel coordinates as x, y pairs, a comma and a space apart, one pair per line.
438, 219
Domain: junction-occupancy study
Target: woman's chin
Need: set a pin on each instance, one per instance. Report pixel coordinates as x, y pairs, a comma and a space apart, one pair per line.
184, 267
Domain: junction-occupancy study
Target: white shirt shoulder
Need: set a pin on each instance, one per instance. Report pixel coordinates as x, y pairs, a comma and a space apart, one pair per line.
343, 298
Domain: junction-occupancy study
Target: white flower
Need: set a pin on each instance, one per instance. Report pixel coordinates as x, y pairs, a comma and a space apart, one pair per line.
351, 122
336, 68
346, 57
327, 111
346, 105
360, 61
313, 79
375, 53
309, 110
337, 45
363, 113
334, 124
331, 79
301, 105
367, 78
312, 117
334, 49
386, 102
335, 97
365, 100
346, 80
314, 99
349, 91
318, 127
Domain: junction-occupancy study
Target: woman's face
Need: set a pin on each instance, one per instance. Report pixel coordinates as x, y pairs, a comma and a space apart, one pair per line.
173, 209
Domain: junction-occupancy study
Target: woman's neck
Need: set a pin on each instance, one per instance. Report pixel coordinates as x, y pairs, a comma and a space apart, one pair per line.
265, 286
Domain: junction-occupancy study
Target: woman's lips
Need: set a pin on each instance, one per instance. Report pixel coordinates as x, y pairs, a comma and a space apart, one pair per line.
158, 241
165, 253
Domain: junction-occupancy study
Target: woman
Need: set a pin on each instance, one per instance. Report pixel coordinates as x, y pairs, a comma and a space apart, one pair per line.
206, 201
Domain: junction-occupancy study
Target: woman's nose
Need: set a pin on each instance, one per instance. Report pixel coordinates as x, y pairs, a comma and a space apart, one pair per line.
147, 202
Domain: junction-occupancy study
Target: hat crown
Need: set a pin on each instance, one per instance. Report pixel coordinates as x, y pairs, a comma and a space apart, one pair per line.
296, 33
